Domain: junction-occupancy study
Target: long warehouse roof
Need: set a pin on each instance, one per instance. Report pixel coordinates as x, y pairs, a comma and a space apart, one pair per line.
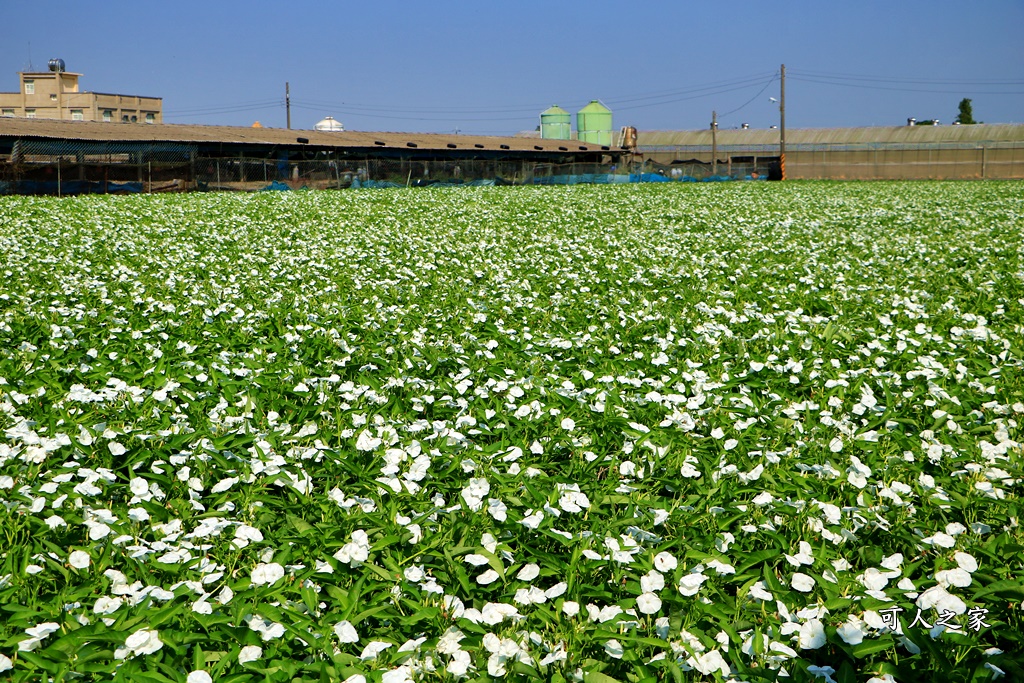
237, 135
875, 135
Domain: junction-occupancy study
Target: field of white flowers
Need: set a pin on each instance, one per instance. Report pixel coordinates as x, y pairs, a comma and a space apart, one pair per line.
737, 432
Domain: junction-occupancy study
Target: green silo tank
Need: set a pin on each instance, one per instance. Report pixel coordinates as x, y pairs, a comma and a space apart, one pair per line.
556, 124
594, 124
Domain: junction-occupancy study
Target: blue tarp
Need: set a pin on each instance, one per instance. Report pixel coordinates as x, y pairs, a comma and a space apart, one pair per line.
356, 183
67, 187
275, 186
648, 178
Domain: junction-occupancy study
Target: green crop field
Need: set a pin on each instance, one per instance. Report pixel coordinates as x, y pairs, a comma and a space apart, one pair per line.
731, 432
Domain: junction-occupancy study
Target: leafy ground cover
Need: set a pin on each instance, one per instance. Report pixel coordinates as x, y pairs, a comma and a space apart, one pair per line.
735, 432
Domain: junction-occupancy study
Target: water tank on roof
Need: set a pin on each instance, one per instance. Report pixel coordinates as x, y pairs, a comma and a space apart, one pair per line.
328, 123
57, 65
556, 124
594, 124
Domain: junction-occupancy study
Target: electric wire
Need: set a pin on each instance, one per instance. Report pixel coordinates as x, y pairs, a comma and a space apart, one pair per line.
961, 90
759, 93
912, 81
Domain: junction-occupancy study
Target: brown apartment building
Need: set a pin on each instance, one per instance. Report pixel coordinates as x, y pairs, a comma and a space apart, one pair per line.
54, 94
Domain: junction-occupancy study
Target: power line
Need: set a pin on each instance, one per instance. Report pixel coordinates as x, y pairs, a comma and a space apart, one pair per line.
960, 90
760, 92
226, 108
310, 106
667, 97
912, 81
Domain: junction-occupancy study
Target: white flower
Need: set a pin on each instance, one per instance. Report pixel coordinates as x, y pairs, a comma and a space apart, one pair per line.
665, 562
107, 605
940, 539
143, 642
652, 582
568, 424
268, 630
199, 677
244, 534
459, 664
953, 577
709, 662
5, 663
802, 582
224, 484
374, 648
812, 635
874, 580
402, 674
966, 562
556, 590
571, 608
613, 648
648, 603
37, 633
367, 441
853, 631
940, 599
267, 574
346, 632
721, 567
822, 672
79, 559
250, 653
805, 556
116, 448
893, 562
731, 444
759, 591
488, 577
690, 583
529, 572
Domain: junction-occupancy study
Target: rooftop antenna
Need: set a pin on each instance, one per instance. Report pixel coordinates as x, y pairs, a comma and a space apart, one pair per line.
30, 56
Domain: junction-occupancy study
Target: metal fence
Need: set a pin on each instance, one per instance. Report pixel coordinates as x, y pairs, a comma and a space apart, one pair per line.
76, 167
67, 167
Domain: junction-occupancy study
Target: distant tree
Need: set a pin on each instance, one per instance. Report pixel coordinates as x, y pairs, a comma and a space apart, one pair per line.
927, 122
966, 113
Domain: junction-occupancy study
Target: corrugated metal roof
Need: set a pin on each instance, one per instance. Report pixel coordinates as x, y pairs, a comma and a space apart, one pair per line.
903, 135
163, 132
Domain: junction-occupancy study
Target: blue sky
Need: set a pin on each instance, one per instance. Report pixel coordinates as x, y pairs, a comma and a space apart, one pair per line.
490, 67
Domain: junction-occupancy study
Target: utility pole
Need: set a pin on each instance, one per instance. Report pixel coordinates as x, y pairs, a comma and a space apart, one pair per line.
714, 143
782, 123
288, 104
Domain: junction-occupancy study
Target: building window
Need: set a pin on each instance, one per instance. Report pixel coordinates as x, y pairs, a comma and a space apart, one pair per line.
135, 119
30, 113
124, 119
8, 112
150, 118
53, 98
30, 87
107, 116
76, 115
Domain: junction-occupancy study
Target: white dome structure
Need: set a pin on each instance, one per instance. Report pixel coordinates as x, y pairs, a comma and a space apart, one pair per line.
329, 124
